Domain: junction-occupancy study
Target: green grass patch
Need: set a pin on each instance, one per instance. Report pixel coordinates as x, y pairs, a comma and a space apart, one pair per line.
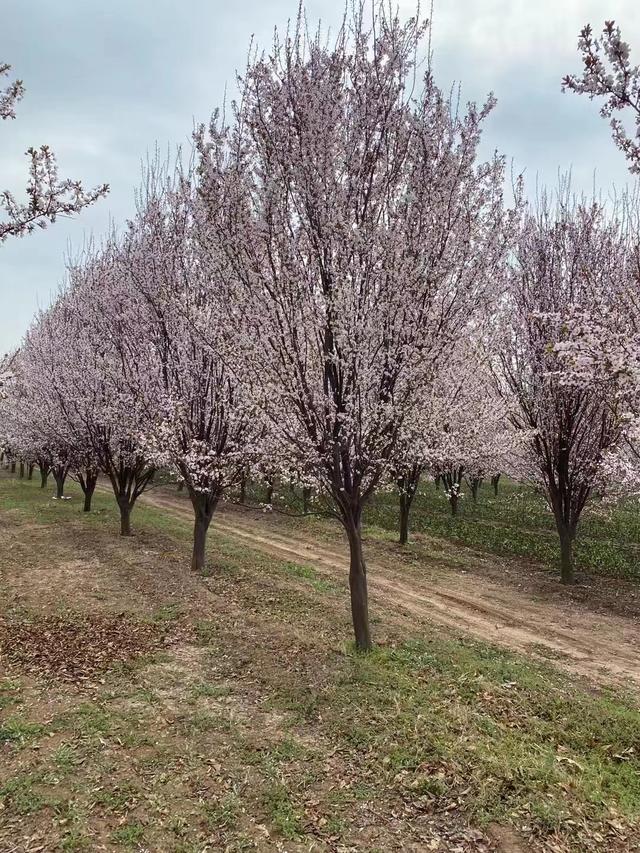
520, 739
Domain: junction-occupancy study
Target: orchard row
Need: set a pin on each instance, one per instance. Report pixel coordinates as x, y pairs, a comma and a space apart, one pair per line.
333, 290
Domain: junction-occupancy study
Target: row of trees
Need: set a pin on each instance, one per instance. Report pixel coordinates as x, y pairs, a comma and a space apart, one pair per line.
334, 291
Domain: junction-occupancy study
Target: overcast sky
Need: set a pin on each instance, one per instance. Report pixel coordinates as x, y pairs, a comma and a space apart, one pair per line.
106, 81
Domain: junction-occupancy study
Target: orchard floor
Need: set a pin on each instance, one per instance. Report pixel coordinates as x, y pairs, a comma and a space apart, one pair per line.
145, 708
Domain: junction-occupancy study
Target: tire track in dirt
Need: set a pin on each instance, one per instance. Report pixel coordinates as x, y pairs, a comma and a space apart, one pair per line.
602, 648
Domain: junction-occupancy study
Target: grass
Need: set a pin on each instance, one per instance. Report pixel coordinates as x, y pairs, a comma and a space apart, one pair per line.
258, 728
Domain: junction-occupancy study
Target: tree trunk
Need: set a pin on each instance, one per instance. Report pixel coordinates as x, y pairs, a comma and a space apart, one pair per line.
306, 497
436, 480
13, 466
358, 589
30, 472
204, 505
21, 470
180, 485
200, 527
88, 484
44, 476
566, 554
243, 489
475, 485
405, 507
59, 475
270, 490
125, 517
494, 482
453, 503
128, 483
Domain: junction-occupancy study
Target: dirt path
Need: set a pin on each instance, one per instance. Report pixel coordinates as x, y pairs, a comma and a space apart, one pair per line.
603, 648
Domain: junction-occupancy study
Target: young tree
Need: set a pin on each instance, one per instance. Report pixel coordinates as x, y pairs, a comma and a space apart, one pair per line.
48, 195
566, 259
608, 73
359, 230
196, 416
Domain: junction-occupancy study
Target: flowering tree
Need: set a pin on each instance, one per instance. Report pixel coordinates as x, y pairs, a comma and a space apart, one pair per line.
566, 259
196, 418
460, 430
48, 195
28, 433
608, 73
602, 346
98, 319
74, 365
35, 417
359, 230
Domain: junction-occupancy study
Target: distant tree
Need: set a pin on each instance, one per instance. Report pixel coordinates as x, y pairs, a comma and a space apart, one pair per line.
48, 195
566, 259
460, 431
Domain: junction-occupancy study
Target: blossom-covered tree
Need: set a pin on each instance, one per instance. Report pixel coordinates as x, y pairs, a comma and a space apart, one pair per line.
601, 348
29, 429
48, 195
460, 431
359, 229
608, 73
74, 366
97, 320
566, 259
196, 417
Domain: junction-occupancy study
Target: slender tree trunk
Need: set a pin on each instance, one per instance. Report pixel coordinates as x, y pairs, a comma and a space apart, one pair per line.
204, 505
21, 470
269, 490
200, 527
475, 485
128, 484
125, 516
358, 588
567, 535
306, 497
59, 475
437, 480
44, 476
30, 472
203, 514
405, 505
13, 466
243, 489
494, 482
452, 480
88, 485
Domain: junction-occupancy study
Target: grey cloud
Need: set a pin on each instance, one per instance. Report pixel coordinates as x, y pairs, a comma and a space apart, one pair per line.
105, 81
